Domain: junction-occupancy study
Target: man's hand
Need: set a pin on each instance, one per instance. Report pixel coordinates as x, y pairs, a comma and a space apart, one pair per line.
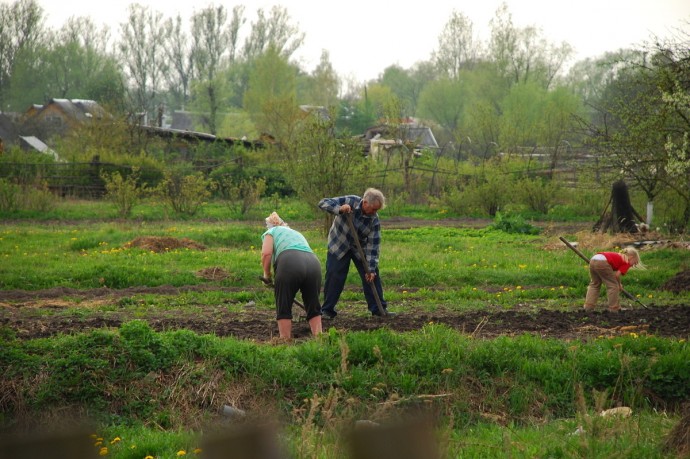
370, 277
345, 209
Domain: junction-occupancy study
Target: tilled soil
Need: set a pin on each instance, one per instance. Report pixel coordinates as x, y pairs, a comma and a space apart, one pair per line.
43, 313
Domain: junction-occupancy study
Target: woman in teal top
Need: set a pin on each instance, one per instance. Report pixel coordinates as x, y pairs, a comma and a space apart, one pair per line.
296, 269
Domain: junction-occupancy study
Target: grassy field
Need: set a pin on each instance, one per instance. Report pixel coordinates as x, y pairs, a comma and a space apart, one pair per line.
158, 393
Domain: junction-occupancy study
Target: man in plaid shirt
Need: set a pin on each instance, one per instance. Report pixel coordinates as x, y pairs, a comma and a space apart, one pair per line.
342, 248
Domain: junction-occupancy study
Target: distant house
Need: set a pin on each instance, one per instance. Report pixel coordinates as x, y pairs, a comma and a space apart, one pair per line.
384, 137
59, 116
32, 143
182, 121
181, 140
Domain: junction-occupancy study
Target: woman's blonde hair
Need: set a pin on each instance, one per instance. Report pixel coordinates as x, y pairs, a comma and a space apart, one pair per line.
632, 252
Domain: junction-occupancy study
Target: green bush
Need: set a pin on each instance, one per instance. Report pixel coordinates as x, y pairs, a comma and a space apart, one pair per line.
514, 224
184, 192
9, 196
124, 192
539, 195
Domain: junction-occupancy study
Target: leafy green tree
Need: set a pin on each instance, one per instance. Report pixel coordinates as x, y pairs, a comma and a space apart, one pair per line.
72, 63
274, 32
318, 163
481, 126
380, 98
407, 85
647, 125
520, 117
271, 98
443, 101
21, 31
558, 122
323, 84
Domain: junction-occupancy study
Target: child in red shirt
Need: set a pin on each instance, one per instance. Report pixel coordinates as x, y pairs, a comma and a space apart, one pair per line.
607, 268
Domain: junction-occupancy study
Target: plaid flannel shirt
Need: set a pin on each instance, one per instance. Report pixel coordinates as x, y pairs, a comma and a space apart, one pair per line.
368, 229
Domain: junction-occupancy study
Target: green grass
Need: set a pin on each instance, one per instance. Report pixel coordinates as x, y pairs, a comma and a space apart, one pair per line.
134, 381
507, 397
455, 267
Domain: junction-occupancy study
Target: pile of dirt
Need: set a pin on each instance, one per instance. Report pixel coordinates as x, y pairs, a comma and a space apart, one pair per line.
678, 283
213, 273
164, 244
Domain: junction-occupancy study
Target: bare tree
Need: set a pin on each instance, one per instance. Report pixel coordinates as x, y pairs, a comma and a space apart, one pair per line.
179, 54
457, 49
522, 54
144, 59
213, 42
274, 31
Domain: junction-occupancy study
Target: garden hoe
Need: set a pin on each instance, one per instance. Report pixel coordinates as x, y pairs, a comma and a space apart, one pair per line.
581, 255
269, 283
382, 310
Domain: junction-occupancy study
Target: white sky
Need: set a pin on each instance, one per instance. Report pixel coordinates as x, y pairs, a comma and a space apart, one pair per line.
364, 37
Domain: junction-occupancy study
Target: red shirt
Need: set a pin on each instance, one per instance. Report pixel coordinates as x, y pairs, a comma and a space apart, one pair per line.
616, 261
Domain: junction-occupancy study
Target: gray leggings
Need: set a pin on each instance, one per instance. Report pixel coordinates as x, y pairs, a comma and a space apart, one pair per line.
295, 271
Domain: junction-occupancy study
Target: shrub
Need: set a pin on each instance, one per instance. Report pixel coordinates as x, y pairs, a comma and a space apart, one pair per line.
9, 196
123, 192
245, 194
29, 196
184, 193
513, 224
538, 195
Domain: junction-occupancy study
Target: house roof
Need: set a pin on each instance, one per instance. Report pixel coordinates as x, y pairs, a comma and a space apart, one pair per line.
38, 145
80, 109
198, 136
422, 136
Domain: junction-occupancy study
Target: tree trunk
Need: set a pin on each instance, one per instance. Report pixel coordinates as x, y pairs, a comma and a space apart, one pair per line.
622, 216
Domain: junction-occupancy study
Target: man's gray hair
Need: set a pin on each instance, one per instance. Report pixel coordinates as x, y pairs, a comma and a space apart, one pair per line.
374, 196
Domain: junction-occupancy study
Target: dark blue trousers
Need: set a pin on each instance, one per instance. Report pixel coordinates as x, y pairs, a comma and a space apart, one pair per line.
336, 275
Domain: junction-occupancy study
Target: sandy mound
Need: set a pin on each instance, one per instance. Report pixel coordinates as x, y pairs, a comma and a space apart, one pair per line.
678, 283
213, 273
163, 244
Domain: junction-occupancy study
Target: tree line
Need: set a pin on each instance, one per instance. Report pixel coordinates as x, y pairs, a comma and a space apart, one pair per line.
512, 93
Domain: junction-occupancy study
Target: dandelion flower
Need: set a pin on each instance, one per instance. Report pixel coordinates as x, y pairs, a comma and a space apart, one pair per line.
197, 450
149, 457
115, 440
522, 266
103, 451
181, 453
